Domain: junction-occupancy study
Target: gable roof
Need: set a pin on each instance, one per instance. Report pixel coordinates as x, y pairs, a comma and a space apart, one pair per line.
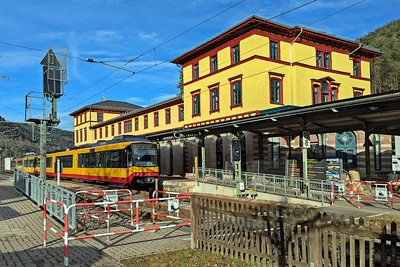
158, 106
256, 22
108, 105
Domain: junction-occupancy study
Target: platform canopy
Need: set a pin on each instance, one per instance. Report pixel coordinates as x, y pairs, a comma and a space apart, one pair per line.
378, 113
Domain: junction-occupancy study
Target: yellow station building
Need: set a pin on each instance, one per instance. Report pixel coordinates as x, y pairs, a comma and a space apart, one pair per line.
254, 66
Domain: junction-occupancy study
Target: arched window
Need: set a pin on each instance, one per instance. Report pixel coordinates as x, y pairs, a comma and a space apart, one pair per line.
324, 92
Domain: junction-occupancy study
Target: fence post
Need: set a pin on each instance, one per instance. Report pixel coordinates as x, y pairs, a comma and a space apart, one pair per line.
314, 237
193, 221
322, 192
285, 186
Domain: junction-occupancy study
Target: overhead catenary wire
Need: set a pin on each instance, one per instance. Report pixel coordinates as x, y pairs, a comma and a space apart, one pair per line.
166, 61
157, 64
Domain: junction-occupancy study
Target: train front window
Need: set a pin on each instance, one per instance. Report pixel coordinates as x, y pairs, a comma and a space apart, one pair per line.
144, 155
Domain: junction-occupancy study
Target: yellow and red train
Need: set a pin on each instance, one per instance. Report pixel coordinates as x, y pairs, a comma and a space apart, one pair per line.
125, 160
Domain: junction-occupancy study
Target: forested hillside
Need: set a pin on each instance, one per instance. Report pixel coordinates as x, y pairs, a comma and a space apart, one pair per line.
385, 70
17, 139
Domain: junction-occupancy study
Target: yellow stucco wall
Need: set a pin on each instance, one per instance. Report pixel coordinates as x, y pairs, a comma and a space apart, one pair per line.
255, 68
254, 71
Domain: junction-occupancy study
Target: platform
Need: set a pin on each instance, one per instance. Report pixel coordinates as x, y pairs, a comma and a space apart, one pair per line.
21, 238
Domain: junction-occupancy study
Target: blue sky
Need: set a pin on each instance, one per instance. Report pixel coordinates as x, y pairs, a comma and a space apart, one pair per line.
118, 30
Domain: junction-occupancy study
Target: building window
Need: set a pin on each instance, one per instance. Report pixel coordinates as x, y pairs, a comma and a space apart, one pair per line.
128, 126
95, 134
236, 94
77, 137
356, 68
196, 104
168, 116
136, 124
319, 59
85, 134
146, 121
81, 135
156, 122
181, 113
235, 54
323, 59
85, 118
214, 63
324, 92
236, 91
333, 94
276, 92
119, 128
273, 50
327, 58
112, 130
357, 92
214, 99
76, 120
315, 94
101, 133
195, 71
274, 153
106, 131
99, 116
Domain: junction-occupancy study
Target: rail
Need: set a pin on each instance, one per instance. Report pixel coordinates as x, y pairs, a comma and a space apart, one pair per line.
311, 189
37, 189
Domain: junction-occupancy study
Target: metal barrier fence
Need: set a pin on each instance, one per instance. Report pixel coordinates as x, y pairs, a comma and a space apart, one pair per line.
313, 189
68, 210
37, 189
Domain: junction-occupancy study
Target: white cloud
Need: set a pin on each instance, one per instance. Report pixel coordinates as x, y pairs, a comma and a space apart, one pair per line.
161, 98
102, 36
19, 60
134, 100
151, 37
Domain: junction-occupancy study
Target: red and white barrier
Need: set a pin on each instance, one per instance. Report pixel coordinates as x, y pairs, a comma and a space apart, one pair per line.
342, 190
103, 193
137, 229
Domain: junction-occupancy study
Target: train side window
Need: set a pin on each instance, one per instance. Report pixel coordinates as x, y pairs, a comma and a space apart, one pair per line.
107, 162
100, 159
87, 160
122, 159
129, 159
80, 160
114, 159
49, 162
92, 163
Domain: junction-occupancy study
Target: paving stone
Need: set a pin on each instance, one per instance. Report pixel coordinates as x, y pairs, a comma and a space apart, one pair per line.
21, 238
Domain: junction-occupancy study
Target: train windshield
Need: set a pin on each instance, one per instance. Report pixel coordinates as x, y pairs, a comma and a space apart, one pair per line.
144, 155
